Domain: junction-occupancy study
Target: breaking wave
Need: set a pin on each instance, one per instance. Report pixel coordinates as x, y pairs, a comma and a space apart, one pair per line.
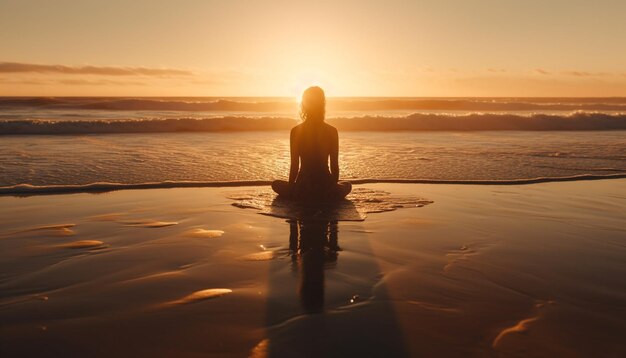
412, 122
27, 189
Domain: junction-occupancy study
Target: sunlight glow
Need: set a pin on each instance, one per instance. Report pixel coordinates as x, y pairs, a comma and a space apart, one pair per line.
277, 48
306, 79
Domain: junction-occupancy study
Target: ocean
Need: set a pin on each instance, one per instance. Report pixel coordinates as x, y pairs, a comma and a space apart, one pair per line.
119, 142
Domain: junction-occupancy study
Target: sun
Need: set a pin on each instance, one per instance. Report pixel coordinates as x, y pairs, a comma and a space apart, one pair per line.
306, 79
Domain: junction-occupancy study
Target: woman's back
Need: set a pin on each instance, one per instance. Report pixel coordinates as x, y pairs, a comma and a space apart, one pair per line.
313, 146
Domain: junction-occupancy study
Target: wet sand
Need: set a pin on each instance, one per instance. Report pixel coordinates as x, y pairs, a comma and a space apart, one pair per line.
530, 270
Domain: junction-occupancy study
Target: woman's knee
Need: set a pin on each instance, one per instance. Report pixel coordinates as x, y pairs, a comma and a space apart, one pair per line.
345, 184
280, 186
344, 188
275, 185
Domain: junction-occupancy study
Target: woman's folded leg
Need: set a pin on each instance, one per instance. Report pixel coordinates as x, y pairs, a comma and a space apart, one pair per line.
343, 189
281, 187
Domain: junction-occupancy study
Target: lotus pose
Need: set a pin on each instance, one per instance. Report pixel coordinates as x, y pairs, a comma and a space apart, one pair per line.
312, 144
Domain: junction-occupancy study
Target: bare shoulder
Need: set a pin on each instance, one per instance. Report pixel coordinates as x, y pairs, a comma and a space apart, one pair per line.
330, 129
296, 130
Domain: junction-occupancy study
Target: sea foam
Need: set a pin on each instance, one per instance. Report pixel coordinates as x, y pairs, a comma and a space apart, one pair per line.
27, 189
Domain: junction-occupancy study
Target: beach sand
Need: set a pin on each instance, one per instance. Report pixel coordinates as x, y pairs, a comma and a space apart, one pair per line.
484, 270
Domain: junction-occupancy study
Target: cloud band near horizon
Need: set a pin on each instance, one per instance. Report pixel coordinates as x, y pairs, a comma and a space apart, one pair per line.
19, 67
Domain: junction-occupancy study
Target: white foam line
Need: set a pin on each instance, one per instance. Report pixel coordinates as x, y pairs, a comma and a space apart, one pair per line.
28, 189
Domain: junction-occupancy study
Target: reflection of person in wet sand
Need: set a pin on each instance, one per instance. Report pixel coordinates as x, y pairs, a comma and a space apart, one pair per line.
313, 245
312, 144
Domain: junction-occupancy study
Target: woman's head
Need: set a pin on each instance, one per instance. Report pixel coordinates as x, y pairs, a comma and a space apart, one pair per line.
313, 104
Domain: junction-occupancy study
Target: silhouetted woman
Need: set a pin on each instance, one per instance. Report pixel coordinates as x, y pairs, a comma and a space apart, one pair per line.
312, 144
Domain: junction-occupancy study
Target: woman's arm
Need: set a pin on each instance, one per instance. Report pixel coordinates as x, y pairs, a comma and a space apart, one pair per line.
295, 157
334, 155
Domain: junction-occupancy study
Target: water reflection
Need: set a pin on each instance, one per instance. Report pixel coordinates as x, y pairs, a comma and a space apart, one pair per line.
314, 247
303, 285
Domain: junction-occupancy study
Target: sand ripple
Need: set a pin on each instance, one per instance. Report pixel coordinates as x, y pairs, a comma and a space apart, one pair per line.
149, 223
268, 253
434, 307
521, 327
117, 217
55, 230
202, 295
524, 325
81, 244
204, 234
260, 256
261, 350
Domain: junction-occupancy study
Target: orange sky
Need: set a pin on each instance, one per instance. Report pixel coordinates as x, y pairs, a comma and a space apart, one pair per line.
278, 48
